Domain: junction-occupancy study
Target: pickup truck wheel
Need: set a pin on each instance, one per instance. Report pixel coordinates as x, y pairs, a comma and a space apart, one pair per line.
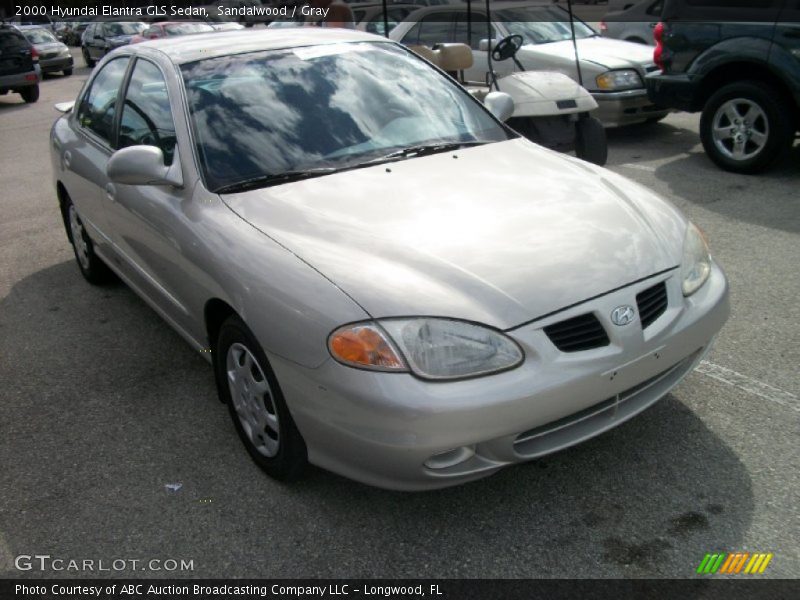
590, 141
30, 94
744, 127
247, 384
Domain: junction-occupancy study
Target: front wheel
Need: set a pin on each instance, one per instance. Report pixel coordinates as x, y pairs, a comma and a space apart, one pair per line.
746, 126
88, 59
92, 267
247, 384
590, 141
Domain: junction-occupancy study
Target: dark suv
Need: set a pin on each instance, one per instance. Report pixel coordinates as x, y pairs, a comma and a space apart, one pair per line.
739, 63
19, 68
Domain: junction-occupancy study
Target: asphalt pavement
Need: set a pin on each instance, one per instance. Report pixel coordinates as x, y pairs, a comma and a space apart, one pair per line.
114, 445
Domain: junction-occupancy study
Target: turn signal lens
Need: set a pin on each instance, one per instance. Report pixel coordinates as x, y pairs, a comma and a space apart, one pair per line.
365, 345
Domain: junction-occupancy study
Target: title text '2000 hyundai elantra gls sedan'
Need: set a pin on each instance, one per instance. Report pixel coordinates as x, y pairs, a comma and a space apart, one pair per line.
389, 282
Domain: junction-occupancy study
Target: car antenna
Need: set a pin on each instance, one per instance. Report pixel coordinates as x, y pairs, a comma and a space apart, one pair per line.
574, 42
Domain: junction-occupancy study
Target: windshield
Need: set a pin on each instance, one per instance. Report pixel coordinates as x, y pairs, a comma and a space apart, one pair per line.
39, 36
113, 29
542, 24
336, 106
187, 28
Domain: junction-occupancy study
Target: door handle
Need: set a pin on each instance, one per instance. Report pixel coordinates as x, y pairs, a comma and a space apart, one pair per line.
111, 192
67, 159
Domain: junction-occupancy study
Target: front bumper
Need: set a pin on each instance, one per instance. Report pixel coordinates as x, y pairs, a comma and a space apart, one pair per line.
58, 63
381, 428
626, 108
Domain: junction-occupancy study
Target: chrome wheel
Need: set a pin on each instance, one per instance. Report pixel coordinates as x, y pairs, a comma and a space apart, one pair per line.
740, 129
78, 238
253, 400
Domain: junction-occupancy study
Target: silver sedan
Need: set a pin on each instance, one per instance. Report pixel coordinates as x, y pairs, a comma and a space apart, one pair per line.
388, 282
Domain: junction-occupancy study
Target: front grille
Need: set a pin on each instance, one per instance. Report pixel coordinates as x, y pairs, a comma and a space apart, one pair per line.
579, 333
652, 303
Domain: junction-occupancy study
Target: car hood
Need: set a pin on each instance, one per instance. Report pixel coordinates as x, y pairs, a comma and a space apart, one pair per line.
605, 52
502, 234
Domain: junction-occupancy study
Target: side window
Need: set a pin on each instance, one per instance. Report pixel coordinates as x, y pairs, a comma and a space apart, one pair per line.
435, 29
477, 31
146, 113
411, 38
98, 106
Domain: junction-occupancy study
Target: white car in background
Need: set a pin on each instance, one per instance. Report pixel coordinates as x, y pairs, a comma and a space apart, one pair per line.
612, 70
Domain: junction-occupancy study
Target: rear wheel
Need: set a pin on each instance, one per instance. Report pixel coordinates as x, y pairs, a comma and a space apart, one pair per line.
30, 94
247, 384
590, 141
92, 267
746, 126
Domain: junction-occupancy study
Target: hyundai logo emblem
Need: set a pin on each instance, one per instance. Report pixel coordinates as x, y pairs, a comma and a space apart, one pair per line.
622, 315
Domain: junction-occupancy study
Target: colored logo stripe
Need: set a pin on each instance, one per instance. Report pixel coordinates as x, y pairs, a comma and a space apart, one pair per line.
734, 563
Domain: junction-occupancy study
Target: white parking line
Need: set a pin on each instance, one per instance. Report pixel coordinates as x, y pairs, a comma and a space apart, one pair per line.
743, 382
639, 167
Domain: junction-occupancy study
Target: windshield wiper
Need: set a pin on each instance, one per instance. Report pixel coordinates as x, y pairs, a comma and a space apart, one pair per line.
423, 150
263, 181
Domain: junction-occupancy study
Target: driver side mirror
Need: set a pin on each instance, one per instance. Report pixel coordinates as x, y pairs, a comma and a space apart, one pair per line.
500, 104
144, 165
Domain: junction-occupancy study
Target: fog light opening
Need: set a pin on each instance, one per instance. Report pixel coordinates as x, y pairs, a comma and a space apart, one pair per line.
451, 458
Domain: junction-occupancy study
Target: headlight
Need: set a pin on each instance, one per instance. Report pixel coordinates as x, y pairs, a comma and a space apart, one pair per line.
696, 262
431, 348
626, 79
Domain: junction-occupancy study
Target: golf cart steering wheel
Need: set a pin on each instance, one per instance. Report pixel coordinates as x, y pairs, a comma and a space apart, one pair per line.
507, 47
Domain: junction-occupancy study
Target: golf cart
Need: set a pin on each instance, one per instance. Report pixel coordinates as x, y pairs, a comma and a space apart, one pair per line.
550, 108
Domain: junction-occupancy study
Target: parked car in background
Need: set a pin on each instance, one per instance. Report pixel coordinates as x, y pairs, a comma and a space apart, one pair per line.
225, 25
101, 37
172, 29
612, 70
54, 56
738, 66
635, 23
387, 281
368, 16
72, 32
19, 65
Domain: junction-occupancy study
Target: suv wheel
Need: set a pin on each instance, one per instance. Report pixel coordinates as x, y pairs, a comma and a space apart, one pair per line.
247, 384
30, 94
744, 127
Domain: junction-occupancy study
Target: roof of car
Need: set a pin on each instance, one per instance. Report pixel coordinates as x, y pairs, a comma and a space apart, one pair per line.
190, 48
479, 7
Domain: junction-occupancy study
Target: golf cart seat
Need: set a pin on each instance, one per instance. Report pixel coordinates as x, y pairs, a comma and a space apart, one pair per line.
428, 54
454, 57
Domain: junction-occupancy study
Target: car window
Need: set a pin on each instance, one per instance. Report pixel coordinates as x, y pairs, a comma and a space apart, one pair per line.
146, 114
264, 114
98, 106
435, 28
12, 41
476, 31
40, 36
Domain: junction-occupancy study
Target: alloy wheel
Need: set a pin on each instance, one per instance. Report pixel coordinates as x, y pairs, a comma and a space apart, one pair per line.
79, 238
740, 129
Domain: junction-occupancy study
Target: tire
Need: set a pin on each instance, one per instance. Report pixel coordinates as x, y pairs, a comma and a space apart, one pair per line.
92, 267
30, 94
259, 413
590, 141
763, 132
88, 59
67, 72
653, 120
